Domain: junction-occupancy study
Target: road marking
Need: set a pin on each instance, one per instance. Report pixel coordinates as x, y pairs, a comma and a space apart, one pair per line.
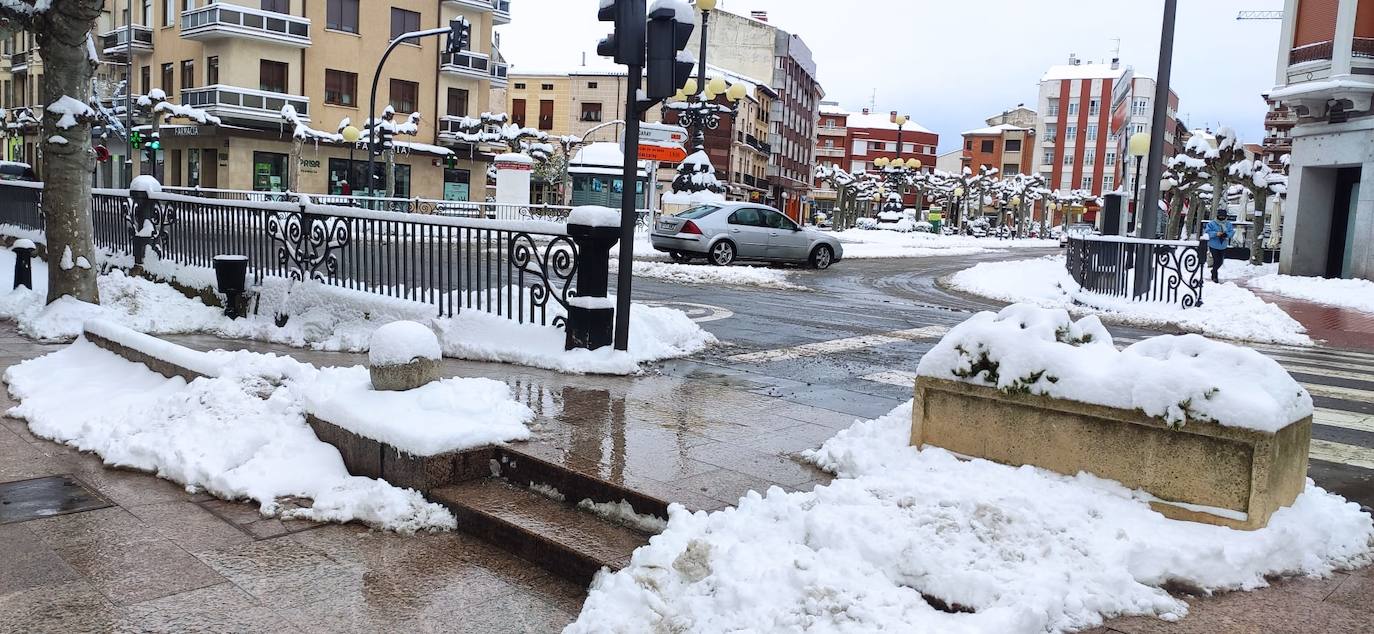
840, 345
1342, 419
1338, 392
1366, 376
1342, 453
699, 313
893, 377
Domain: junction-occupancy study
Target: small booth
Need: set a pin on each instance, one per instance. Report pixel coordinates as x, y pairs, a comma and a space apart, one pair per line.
596, 175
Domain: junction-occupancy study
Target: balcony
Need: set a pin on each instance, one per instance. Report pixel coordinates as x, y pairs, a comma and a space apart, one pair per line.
116, 42
832, 152
471, 64
1287, 118
1362, 48
500, 9
1278, 143
244, 104
218, 21
1320, 51
19, 62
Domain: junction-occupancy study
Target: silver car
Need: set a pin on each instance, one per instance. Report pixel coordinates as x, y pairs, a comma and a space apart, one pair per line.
725, 232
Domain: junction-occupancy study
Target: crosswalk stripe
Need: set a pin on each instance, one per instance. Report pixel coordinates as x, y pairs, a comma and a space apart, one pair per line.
1343, 419
1367, 368
1342, 453
840, 345
1339, 392
1367, 376
893, 377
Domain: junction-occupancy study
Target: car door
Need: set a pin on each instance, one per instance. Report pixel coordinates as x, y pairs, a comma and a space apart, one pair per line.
747, 230
786, 241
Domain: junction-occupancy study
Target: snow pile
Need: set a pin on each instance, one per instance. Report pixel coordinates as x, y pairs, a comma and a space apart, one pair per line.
594, 216
241, 435
447, 415
1025, 349
759, 276
145, 183
1355, 293
863, 244
1023, 550
70, 111
401, 342
1228, 311
135, 302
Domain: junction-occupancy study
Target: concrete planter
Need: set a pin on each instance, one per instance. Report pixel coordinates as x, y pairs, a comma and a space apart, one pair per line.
1202, 472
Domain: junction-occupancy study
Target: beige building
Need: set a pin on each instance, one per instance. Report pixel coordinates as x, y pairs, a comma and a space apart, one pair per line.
242, 61
572, 100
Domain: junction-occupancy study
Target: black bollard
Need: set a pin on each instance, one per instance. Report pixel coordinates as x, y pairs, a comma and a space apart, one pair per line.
23, 262
231, 276
140, 232
591, 315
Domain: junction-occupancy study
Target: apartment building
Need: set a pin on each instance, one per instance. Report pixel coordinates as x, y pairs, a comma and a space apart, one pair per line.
1279, 120
1004, 147
572, 100
853, 140
1325, 76
751, 47
832, 149
242, 61
1133, 113
1087, 114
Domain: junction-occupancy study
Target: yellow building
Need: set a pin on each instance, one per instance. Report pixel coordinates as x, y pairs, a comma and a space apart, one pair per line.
242, 61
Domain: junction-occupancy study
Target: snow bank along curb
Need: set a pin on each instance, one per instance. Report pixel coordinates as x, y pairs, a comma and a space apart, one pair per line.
1218, 433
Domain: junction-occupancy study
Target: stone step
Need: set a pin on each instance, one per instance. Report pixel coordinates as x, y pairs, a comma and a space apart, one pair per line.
570, 543
523, 469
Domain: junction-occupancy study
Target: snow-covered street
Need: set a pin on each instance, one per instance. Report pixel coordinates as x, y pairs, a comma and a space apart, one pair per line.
878, 243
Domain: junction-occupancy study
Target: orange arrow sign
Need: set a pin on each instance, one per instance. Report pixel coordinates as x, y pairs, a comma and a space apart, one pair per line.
662, 153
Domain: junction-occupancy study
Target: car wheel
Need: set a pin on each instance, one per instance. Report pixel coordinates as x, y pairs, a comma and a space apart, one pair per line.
822, 257
679, 257
723, 253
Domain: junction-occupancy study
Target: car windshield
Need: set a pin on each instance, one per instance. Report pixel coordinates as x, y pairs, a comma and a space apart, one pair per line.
700, 211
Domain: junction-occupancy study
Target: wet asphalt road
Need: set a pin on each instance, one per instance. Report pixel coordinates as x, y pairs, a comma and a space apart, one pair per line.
855, 325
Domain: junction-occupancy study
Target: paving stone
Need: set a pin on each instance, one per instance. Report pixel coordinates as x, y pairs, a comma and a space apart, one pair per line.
29, 562
189, 525
75, 606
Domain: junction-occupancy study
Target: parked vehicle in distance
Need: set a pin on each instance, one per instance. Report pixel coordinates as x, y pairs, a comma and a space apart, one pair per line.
725, 232
1076, 230
12, 171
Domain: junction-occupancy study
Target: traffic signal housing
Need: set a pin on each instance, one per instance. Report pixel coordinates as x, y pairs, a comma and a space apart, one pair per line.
626, 43
669, 66
460, 35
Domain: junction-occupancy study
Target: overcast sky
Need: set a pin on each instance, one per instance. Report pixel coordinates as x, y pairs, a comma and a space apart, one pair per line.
952, 64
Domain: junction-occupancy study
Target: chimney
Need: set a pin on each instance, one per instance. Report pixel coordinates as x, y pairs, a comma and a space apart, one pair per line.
1116, 63
761, 16
865, 110
584, 58
1073, 59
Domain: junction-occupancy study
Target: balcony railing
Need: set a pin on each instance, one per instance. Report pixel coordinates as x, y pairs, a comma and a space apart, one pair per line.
470, 63
1310, 53
1278, 142
830, 151
1362, 47
215, 21
116, 42
232, 102
19, 62
1281, 118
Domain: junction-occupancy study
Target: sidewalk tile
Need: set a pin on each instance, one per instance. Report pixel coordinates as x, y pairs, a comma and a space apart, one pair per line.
62, 608
189, 526
29, 562
222, 608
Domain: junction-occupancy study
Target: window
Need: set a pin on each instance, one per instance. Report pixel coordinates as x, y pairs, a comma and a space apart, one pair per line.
1068, 158
546, 114
968, 144
1140, 107
405, 95
876, 146
147, 12
986, 146
403, 22
1092, 131
169, 11
340, 88
1071, 132
546, 86
591, 85
519, 85
1094, 108
1089, 157
188, 74
861, 147
517, 112
748, 217
272, 75
1139, 128
187, 5
212, 70
341, 15
146, 77
1013, 145
1073, 108
457, 102
1087, 182
1051, 131
278, 6
1110, 160
1010, 169
168, 75
1108, 182
1048, 158
1052, 108
591, 111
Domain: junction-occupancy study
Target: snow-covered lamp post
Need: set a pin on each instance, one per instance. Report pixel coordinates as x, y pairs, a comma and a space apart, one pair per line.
351, 135
1138, 147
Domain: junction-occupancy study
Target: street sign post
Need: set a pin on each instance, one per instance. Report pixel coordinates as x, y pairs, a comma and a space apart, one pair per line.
662, 153
662, 133
660, 142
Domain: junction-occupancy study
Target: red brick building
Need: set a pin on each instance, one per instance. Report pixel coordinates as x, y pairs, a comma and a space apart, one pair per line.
1007, 148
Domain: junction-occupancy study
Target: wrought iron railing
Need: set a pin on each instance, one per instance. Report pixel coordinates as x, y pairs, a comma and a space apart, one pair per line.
1362, 47
523, 270
1310, 53
1108, 265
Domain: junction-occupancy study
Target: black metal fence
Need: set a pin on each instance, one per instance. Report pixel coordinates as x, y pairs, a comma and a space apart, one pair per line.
1167, 271
521, 270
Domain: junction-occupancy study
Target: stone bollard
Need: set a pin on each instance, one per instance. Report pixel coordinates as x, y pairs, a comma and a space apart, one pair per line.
403, 355
591, 315
23, 262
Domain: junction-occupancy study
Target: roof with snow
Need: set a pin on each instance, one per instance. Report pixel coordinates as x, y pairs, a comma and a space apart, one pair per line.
830, 107
882, 121
995, 130
1083, 71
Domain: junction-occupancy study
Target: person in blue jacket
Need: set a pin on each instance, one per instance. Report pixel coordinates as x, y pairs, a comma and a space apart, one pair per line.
1218, 234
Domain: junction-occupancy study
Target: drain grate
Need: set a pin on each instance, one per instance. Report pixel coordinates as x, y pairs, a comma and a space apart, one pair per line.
44, 497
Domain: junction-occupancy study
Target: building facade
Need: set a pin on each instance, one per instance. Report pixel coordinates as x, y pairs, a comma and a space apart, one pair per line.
1005, 147
243, 61
1279, 120
1325, 76
1132, 114
751, 47
832, 149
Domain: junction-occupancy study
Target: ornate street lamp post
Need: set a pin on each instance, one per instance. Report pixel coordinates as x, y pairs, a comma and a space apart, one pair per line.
1138, 146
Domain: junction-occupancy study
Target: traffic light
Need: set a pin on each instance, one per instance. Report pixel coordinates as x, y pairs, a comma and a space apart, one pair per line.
626, 44
668, 70
136, 140
460, 35
155, 144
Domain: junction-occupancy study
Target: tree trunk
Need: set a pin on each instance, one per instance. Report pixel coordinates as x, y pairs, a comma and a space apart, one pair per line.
67, 167
1257, 228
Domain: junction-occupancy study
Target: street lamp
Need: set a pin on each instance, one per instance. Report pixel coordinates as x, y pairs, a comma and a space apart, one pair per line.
1138, 146
351, 135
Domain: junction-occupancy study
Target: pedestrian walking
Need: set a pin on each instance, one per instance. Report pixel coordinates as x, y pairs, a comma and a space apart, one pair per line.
1218, 235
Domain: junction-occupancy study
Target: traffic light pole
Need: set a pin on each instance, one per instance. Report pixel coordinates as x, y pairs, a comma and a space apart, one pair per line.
373, 119
625, 275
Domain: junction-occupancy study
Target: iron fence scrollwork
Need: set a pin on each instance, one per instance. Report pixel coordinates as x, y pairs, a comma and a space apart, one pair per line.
306, 242
1109, 267
553, 267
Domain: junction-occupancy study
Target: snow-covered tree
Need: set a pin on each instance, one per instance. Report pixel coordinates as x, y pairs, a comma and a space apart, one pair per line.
850, 192
1261, 181
1022, 192
62, 29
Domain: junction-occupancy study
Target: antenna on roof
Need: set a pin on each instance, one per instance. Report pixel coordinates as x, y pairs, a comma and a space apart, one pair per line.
873, 100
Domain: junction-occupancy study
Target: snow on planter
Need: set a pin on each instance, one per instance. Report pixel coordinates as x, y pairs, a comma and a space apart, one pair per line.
1185, 378
903, 534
